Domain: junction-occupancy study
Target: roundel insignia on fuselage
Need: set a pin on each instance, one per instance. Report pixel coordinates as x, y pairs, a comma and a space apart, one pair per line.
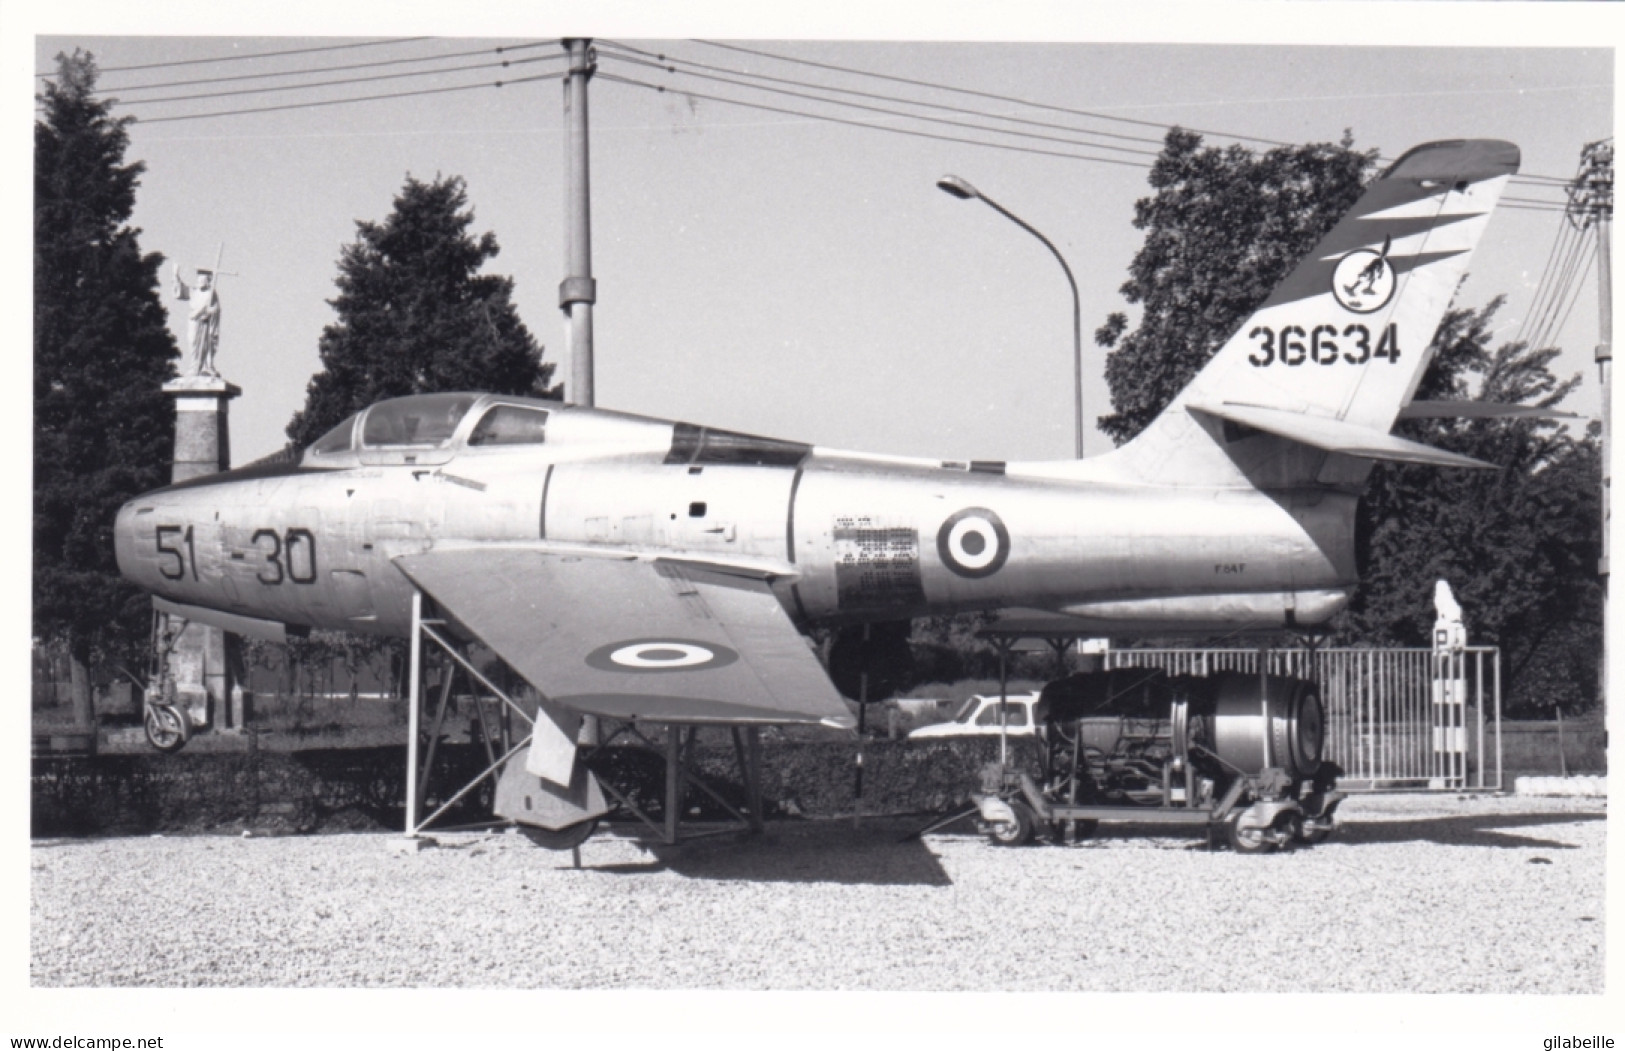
973, 542
660, 655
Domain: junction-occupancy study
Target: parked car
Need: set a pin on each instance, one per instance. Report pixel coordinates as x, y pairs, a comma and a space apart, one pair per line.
979, 715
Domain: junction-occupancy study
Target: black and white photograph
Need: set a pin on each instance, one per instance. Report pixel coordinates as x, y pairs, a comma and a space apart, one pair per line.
614, 523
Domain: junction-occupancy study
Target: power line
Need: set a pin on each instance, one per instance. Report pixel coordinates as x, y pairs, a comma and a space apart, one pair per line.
982, 94
1550, 282
863, 124
1003, 98
664, 58
891, 112
362, 98
1529, 208
1559, 205
260, 54
505, 63
1591, 258
1540, 288
320, 69
1564, 286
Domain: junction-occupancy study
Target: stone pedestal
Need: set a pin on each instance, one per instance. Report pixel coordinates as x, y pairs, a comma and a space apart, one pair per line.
201, 659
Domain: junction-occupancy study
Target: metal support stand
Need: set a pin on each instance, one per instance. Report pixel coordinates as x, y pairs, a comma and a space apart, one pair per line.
413, 703
417, 773
497, 737
677, 750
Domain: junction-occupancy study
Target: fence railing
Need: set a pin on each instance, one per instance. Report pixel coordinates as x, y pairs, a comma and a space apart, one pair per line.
1395, 718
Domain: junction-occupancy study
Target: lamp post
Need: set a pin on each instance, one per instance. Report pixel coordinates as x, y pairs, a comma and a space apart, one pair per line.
957, 187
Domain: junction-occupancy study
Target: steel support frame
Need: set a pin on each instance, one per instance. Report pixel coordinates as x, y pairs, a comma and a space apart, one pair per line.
417, 774
676, 748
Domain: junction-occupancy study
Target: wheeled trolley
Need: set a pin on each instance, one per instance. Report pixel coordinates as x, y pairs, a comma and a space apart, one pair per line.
1234, 753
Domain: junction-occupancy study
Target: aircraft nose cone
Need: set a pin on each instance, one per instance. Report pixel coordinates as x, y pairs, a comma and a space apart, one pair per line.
124, 540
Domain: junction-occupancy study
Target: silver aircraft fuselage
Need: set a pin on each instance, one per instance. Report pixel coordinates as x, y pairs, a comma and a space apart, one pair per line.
842, 537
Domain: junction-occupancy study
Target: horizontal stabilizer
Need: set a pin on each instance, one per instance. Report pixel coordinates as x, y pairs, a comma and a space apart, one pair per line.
1337, 436
1480, 410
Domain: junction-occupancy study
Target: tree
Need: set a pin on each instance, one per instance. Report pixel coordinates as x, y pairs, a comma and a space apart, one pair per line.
414, 315
1222, 230
103, 428
1519, 546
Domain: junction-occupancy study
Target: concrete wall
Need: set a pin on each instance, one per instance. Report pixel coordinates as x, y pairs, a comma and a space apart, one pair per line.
1531, 748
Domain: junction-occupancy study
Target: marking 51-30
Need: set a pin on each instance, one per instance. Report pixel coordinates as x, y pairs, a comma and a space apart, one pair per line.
290, 555
1322, 345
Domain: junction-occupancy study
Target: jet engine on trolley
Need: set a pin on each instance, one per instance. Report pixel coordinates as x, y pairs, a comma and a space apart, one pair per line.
1233, 750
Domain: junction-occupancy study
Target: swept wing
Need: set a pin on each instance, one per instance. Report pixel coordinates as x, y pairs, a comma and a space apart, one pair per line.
629, 637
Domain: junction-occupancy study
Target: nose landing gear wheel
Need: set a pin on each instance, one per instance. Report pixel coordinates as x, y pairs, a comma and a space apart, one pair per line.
1013, 833
166, 727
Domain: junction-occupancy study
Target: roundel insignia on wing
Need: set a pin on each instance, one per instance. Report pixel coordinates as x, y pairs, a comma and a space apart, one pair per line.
1364, 280
660, 655
973, 542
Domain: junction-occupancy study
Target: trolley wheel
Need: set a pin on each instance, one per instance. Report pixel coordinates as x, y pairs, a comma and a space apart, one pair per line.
566, 838
1247, 840
1013, 833
166, 728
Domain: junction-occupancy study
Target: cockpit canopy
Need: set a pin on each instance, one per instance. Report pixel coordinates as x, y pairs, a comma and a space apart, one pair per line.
421, 423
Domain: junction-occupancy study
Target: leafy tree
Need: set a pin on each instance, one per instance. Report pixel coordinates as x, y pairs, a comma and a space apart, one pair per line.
103, 428
1222, 229
1519, 546
414, 315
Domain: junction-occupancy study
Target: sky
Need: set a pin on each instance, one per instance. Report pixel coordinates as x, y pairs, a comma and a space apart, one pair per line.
778, 273
789, 276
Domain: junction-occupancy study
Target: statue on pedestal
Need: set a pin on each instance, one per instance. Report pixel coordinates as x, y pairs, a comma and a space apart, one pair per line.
202, 323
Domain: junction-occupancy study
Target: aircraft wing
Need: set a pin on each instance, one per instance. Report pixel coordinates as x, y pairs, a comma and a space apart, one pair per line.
625, 637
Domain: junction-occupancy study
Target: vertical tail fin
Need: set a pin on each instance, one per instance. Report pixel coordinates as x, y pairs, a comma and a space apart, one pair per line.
1326, 364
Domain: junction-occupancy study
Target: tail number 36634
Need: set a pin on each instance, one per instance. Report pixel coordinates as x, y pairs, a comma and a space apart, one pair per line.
1322, 345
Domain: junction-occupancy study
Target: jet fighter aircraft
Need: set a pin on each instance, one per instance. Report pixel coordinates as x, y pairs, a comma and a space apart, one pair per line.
643, 569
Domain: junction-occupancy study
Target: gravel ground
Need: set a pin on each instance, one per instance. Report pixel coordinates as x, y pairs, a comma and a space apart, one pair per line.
1413, 894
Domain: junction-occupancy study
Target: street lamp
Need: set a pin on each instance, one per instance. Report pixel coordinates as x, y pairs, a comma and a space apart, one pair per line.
957, 187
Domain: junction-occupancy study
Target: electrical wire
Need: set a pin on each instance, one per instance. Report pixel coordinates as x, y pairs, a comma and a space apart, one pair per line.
1591, 258
1530, 208
1548, 283
1555, 180
504, 64
260, 54
664, 58
1562, 287
104, 88
1558, 205
1546, 269
968, 91
1568, 291
1523, 178
363, 98
863, 124
894, 113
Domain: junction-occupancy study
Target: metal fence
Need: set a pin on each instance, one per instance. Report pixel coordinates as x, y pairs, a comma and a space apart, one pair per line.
1395, 718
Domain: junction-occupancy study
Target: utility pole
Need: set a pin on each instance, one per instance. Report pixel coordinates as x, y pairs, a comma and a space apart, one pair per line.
1591, 201
578, 291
